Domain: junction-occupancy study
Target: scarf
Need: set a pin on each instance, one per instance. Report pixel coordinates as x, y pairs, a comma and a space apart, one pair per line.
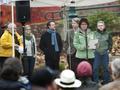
53, 39
28, 36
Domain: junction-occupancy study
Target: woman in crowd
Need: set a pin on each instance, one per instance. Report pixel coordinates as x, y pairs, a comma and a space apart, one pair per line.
11, 78
81, 40
84, 73
102, 53
28, 60
71, 50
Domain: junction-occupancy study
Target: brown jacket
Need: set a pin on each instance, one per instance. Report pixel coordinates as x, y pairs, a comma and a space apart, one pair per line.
115, 85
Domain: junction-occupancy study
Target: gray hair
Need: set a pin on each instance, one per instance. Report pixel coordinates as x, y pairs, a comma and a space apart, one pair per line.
76, 19
10, 25
101, 22
115, 66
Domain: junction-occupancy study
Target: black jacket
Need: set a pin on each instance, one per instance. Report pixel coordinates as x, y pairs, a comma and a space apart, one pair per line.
9, 85
88, 84
46, 46
13, 85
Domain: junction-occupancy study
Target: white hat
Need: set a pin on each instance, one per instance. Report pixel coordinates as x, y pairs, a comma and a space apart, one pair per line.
67, 80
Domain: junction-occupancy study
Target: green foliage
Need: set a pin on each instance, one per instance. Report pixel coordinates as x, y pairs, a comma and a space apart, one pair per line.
111, 20
119, 1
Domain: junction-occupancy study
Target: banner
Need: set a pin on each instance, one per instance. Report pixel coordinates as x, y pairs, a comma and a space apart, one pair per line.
38, 14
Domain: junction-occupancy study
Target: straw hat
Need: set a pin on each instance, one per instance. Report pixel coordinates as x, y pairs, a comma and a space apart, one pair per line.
67, 80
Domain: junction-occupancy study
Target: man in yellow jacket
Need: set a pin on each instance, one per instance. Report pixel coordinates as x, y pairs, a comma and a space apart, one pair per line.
6, 43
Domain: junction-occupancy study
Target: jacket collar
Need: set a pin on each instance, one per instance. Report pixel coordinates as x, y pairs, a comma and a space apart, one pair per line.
83, 32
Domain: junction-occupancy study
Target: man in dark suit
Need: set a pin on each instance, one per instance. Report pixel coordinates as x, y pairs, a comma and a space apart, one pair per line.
51, 45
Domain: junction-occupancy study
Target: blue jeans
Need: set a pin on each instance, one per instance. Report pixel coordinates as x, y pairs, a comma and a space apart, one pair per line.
101, 61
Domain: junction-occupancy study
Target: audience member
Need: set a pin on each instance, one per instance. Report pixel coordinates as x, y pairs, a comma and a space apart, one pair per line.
43, 79
11, 78
84, 72
67, 81
115, 70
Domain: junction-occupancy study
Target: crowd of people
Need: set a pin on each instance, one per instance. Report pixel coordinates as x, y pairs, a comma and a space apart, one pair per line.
45, 78
87, 56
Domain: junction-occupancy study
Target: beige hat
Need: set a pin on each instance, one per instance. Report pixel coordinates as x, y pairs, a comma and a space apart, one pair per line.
67, 80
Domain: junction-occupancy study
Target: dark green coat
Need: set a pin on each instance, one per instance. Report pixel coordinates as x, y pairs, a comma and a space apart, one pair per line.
104, 41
